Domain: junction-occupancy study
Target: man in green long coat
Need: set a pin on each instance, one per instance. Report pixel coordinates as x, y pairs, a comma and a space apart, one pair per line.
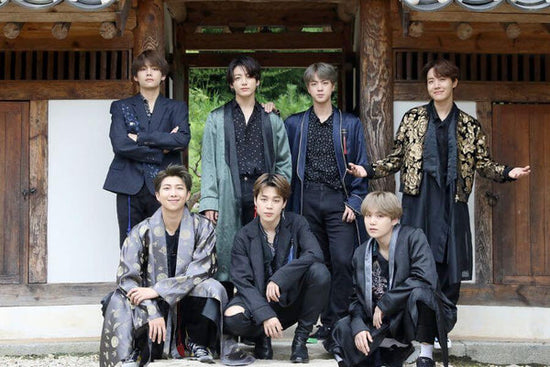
240, 142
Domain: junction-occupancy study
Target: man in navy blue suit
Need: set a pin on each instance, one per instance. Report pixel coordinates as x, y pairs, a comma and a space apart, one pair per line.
148, 131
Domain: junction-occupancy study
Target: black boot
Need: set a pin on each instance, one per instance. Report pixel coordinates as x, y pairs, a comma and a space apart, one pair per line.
299, 352
262, 349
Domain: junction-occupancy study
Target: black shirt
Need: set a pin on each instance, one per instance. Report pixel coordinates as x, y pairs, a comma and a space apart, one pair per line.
269, 250
172, 252
380, 275
249, 141
442, 134
321, 165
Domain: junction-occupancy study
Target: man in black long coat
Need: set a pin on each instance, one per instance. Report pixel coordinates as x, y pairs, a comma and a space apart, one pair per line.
396, 299
278, 270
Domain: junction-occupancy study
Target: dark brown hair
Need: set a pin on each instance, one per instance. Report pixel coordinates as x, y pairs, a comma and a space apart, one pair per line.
154, 58
275, 180
442, 67
249, 64
173, 170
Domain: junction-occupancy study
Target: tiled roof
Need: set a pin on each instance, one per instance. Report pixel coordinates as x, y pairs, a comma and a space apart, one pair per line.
476, 5
42, 4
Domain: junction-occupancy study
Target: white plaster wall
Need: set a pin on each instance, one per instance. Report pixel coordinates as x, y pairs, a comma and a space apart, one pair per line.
75, 321
84, 321
399, 109
83, 241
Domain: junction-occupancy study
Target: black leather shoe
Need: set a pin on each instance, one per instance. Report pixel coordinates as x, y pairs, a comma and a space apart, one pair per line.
299, 352
262, 349
425, 362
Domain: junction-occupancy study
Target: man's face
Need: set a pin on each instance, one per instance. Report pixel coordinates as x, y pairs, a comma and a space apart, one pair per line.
440, 88
379, 226
243, 84
149, 77
320, 90
269, 205
172, 194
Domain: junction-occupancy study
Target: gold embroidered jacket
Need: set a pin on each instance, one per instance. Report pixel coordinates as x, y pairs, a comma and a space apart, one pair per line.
407, 154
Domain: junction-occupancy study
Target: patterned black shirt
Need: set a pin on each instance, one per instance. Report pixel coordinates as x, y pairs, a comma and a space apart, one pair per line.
321, 166
380, 276
151, 169
249, 141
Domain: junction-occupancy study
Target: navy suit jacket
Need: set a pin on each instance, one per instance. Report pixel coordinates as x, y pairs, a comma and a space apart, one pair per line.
136, 163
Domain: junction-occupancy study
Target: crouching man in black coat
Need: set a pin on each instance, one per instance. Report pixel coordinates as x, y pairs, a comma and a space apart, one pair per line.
278, 269
397, 298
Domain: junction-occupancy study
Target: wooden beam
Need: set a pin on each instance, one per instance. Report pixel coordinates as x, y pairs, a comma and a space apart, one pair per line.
505, 295
76, 42
264, 41
479, 17
123, 15
483, 215
38, 17
149, 33
479, 91
376, 81
108, 30
12, 30
45, 90
53, 294
262, 1
60, 30
38, 202
266, 59
259, 15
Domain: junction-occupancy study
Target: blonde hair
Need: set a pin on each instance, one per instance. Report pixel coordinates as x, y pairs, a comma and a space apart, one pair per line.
383, 202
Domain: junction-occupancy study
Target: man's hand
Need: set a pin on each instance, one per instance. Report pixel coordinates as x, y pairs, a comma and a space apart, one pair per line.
273, 328
356, 170
157, 330
272, 292
349, 215
362, 340
174, 130
212, 215
519, 172
377, 317
132, 136
140, 294
269, 107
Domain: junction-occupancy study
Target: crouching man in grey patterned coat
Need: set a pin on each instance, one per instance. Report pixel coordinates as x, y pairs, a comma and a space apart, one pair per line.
166, 303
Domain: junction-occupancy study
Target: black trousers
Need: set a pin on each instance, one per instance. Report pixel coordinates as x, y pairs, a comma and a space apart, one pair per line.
191, 324
426, 330
305, 308
323, 208
450, 290
248, 212
132, 209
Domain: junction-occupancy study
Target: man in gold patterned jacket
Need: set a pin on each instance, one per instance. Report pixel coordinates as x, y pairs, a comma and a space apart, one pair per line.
438, 148
166, 303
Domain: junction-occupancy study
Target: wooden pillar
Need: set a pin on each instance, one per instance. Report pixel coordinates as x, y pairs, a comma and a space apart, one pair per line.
376, 78
149, 33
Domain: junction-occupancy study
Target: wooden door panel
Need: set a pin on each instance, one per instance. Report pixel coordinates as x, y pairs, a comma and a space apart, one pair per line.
14, 178
520, 217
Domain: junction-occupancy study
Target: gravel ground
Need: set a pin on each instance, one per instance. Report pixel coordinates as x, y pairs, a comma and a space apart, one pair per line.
91, 360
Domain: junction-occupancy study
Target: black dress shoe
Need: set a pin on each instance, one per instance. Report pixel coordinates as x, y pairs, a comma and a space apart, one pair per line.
425, 362
262, 349
299, 352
